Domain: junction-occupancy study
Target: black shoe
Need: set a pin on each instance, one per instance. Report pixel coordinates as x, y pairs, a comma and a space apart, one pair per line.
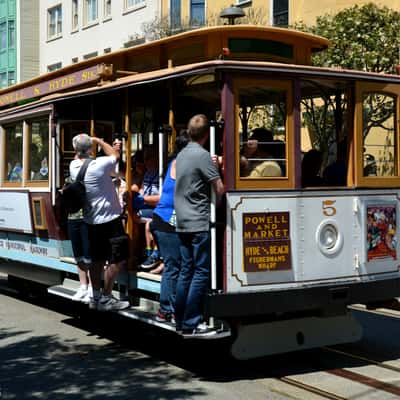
151, 261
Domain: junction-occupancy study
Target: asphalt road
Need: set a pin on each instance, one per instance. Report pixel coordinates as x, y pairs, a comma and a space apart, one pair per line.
54, 350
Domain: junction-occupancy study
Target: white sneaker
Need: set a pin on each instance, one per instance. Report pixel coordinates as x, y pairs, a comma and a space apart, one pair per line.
110, 303
80, 294
86, 299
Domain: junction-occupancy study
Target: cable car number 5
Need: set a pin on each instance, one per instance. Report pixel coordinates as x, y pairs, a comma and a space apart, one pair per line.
328, 208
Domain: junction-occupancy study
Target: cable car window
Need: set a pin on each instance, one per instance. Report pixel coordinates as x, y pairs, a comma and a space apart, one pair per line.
39, 150
379, 135
262, 130
13, 138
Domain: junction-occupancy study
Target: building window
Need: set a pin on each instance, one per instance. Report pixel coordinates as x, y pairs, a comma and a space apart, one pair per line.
11, 78
75, 15
75, 60
107, 8
54, 21
133, 3
90, 55
3, 36
91, 11
54, 67
280, 13
107, 50
3, 79
11, 34
197, 12
175, 14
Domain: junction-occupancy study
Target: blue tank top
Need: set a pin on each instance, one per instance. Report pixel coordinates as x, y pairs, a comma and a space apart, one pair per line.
165, 207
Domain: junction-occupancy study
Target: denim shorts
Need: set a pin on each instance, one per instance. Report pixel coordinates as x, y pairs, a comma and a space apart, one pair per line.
108, 241
79, 236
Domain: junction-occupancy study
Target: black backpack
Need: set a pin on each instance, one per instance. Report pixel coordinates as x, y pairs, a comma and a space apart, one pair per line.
74, 194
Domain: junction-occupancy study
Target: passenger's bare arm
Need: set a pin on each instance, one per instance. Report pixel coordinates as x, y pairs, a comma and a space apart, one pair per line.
107, 148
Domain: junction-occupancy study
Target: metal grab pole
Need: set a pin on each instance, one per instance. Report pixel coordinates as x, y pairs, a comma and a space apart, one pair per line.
213, 207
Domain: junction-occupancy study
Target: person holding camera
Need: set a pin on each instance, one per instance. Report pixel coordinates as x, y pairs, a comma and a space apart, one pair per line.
102, 214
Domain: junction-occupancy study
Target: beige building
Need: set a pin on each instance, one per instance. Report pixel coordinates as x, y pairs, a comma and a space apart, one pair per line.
272, 12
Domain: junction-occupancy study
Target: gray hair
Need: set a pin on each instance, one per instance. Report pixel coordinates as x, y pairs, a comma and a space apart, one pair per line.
82, 144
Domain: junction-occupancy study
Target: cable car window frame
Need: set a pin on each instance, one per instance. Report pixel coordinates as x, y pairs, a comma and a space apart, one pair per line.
282, 182
391, 90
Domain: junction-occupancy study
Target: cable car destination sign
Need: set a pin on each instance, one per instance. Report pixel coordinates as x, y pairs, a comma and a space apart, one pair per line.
51, 86
266, 242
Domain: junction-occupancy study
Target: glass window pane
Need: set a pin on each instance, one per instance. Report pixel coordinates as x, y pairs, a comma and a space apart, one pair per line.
262, 116
39, 150
11, 34
197, 12
3, 35
13, 136
175, 13
379, 135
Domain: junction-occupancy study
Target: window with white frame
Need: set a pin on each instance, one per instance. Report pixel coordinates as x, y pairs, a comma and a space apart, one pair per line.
91, 11
128, 4
197, 12
54, 67
75, 15
280, 13
54, 21
107, 8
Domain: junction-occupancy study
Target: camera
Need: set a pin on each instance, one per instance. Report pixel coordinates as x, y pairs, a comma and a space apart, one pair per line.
120, 135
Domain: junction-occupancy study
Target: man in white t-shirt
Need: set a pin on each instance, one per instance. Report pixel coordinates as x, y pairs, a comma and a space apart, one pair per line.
102, 213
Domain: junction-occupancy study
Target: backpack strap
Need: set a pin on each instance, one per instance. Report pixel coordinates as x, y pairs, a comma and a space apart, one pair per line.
82, 170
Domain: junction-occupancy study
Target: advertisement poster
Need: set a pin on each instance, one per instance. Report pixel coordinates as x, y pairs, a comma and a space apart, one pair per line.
15, 212
266, 242
381, 232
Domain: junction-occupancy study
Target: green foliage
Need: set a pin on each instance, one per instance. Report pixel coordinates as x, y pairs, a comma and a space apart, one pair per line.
365, 38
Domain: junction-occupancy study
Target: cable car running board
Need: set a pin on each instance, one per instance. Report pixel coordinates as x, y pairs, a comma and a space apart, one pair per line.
139, 313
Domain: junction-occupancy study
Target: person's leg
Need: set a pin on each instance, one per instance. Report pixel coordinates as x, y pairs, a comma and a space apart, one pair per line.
82, 259
193, 315
184, 278
118, 253
169, 245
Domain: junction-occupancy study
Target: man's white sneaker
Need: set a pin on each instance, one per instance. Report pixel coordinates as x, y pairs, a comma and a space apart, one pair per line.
110, 303
86, 299
80, 294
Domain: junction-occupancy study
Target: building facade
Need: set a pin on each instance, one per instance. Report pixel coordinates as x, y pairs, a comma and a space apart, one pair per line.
271, 12
19, 41
75, 30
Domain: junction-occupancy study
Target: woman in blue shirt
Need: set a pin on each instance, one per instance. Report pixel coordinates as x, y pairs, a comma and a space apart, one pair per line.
163, 228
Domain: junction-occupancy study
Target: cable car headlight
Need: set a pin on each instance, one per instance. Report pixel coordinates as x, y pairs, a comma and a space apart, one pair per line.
329, 238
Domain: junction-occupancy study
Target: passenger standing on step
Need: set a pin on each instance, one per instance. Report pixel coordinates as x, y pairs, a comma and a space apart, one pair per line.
196, 171
78, 233
163, 228
102, 213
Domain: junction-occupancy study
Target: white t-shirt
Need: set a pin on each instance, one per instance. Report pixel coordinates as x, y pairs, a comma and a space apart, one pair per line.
101, 198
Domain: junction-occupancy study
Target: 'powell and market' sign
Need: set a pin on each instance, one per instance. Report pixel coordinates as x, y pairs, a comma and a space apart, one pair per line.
51, 86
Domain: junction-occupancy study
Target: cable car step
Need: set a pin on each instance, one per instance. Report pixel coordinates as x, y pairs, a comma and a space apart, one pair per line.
145, 312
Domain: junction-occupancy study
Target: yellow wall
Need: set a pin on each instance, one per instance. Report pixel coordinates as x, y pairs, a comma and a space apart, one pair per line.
299, 10
308, 10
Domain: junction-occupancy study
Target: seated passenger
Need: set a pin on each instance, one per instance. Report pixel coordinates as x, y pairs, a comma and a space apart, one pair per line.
257, 158
310, 168
335, 174
145, 199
